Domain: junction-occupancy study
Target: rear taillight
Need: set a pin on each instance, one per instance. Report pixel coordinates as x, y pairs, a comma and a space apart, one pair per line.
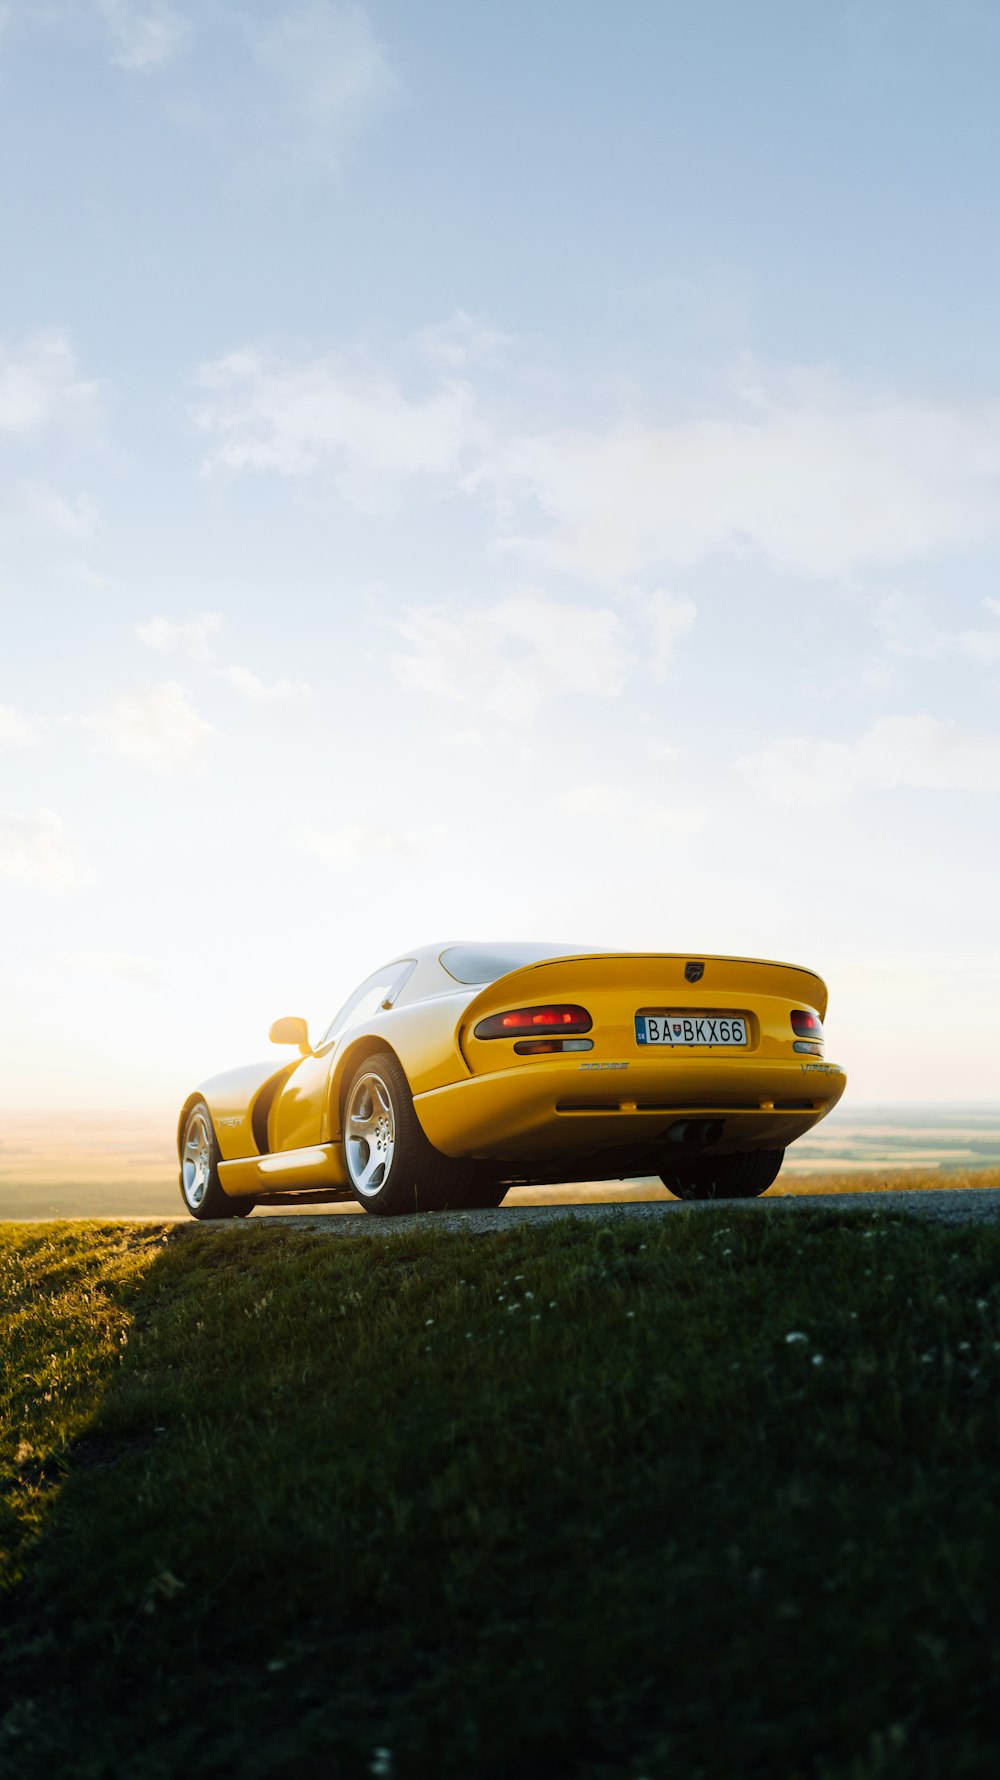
806, 1024
543, 1047
524, 1022
808, 1029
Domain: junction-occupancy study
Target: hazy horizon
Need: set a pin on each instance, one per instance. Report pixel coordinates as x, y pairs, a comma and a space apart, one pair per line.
83, 1166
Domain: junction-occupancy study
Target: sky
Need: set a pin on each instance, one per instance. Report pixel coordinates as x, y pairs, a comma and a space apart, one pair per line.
513, 470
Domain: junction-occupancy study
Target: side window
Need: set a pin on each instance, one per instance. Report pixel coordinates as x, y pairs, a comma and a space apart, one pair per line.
383, 985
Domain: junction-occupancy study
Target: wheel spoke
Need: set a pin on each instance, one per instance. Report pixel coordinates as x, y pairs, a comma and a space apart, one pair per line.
360, 1127
371, 1167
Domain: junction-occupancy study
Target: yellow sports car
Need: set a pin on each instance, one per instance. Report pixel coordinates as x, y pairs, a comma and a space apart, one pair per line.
462, 1070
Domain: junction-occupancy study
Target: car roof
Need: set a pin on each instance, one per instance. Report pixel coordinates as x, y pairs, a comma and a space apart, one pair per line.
525, 951
541, 948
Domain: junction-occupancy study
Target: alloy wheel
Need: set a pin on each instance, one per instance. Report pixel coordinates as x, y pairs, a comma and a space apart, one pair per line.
370, 1134
196, 1166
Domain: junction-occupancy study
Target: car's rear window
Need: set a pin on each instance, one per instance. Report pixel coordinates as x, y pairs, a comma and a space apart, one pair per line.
483, 964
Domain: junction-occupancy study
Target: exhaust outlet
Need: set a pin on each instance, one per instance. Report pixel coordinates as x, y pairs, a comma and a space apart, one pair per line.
699, 1132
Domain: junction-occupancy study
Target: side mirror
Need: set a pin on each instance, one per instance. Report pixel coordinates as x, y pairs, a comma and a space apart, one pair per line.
291, 1031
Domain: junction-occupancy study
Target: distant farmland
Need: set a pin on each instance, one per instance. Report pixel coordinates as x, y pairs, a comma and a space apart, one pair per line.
124, 1165
944, 1138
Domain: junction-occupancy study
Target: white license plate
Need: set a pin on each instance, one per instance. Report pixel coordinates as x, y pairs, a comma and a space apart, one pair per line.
728, 1030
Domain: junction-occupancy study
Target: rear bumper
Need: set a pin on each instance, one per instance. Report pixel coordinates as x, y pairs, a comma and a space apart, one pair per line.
557, 1107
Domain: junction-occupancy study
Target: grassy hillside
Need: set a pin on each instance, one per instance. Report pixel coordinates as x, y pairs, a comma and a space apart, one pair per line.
714, 1496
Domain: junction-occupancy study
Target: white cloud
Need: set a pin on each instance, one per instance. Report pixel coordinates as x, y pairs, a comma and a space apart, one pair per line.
507, 658
919, 752
144, 34
328, 77
622, 808
160, 728
813, 479
127, 965
908, 631
40, 383
16, 730
459, 340
807, 474
256, 691
356, 842
192, 636
46, 508
668, 617
38, 849
342, 845
294, 418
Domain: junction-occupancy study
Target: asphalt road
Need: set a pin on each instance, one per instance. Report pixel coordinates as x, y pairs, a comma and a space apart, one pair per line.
954, 1205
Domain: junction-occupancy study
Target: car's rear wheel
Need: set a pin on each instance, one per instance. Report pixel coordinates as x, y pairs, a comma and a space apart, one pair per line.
724, 1177
392, 1166
200, 1187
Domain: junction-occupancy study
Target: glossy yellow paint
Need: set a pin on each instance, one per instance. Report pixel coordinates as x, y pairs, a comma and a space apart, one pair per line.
232, 1099
564, 1107
515, 1106
281, 1127
614, 989
298, 1113
321, 1165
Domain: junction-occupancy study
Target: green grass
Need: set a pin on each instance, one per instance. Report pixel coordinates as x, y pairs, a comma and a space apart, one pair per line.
561, 1501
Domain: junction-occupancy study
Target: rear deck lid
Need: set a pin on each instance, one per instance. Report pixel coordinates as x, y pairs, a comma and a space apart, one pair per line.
614, 987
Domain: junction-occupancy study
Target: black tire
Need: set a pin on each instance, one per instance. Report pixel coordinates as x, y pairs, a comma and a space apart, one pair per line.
398, 1171
201, 1189
483, 1195
724, 1177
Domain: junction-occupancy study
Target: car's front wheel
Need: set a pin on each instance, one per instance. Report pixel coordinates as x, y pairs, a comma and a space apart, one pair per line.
392, 1166
724, 1177
200, 1187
